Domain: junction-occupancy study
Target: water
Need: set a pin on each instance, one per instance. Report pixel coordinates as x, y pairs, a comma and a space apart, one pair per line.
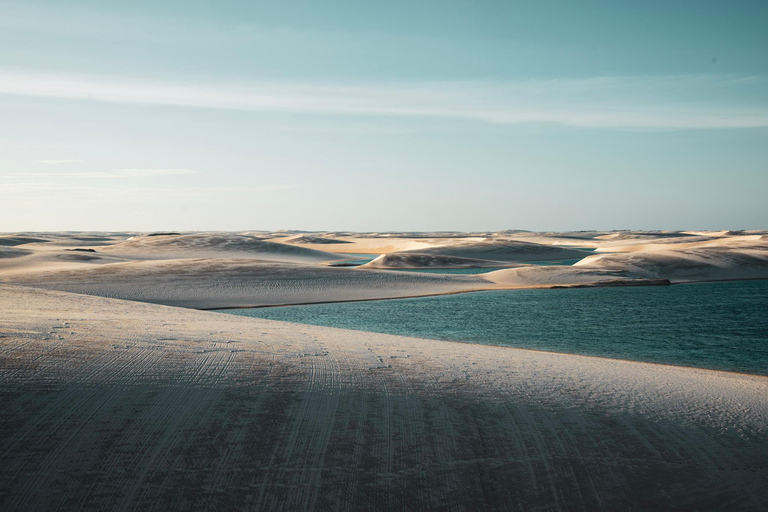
359, 259
448, 270
708, 325
570, 261
486, 269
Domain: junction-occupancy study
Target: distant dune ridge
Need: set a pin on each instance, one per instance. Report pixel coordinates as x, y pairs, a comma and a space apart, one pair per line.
226, 245
306, 239
212, 270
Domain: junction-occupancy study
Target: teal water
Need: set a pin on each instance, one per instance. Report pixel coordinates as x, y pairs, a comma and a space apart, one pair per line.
355, 260
570, 261
482, 270
709, 325
447, 270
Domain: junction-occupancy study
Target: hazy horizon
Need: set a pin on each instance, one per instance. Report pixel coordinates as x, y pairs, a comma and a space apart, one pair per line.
405, 116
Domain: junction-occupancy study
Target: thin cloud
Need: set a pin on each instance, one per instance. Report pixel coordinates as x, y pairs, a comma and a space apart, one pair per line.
58, 162
117, 174
663, 102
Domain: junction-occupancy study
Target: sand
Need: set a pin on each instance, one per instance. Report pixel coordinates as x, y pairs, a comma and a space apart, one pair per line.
216, 270
135, 405
221, 283
216, 245
737, 257
109, 404
504, 250
420, 260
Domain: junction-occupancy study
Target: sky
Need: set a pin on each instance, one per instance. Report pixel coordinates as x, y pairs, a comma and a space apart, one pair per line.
383, 116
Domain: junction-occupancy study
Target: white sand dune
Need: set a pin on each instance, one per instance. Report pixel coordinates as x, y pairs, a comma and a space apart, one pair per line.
307, 239
504, 250
215, 245
366, 245
12, 241
558, 276
702, 261
13, 252
230, 270
220, 283
114, 405
30, 260
419, 260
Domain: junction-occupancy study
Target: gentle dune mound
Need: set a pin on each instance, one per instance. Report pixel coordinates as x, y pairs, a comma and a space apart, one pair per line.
307, 239
564, 276
419, 260
208, 245
643, 235
700, 263
359, 244
113, 405
221, 283
12, 252
11, 241
15, 261
504, 250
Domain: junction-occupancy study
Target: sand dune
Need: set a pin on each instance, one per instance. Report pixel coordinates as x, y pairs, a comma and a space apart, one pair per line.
11, 241
13, 252
215, 245
504, 250
715, 260
203, 271
32, 261
109, 404
220, 283
369, 245
307, 239
557, 276
419, 260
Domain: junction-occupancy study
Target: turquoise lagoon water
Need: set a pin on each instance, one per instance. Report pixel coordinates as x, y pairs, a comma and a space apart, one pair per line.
709, 325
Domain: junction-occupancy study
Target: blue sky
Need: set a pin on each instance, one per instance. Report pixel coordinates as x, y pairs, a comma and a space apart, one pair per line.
412, 115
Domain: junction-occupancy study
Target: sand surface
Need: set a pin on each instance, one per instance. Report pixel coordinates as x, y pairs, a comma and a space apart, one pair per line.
215, 245
221, 283
109, 404
421, 260
216, 270
506, 250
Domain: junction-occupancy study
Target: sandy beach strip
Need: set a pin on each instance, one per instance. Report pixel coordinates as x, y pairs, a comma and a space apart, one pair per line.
110, 404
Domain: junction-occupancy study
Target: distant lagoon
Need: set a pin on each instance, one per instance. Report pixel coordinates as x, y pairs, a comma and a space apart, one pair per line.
721, 325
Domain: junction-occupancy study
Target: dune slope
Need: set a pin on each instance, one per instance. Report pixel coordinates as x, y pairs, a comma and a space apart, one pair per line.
419, 260
505, 250
220, 283
213, 245
692, 262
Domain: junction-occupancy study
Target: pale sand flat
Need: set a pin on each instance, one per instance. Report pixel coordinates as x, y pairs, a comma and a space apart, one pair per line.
108, 404
221, 283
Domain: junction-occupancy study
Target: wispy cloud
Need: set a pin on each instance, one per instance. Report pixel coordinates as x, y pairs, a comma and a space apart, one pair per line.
663, 102
117, 174
58, 162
